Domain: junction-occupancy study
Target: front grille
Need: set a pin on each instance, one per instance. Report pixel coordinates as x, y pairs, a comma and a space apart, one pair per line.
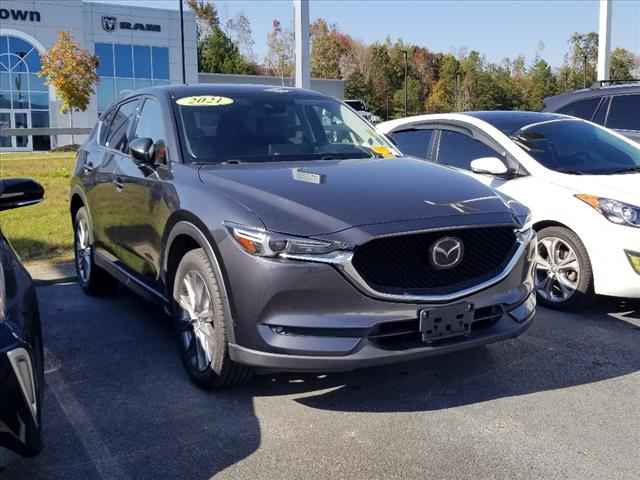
400, 264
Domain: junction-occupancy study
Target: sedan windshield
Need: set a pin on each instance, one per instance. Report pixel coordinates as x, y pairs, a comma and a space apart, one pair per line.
576, 147
274, 125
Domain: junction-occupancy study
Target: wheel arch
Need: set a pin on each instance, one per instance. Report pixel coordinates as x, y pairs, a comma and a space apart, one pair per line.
184, 233
76, 202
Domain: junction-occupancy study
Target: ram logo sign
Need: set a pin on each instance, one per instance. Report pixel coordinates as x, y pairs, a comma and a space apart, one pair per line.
109, 25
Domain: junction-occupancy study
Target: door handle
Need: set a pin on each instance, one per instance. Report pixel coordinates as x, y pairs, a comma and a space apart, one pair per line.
117, 181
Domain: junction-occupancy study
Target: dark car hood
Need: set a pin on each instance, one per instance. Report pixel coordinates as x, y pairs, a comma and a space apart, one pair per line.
321, 197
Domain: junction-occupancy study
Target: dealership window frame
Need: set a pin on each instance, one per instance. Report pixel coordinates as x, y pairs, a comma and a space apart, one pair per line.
112, 86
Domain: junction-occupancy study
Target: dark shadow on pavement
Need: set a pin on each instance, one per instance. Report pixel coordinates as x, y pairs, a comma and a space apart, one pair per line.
119, 404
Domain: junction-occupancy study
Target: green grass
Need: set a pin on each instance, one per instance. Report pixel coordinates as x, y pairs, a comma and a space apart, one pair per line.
43, 231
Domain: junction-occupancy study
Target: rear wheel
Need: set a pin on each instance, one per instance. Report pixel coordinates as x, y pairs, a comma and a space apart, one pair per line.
93, 279
563, 275
202, 324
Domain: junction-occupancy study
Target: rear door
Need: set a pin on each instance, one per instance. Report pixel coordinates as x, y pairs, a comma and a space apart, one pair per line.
108, 208
624, 115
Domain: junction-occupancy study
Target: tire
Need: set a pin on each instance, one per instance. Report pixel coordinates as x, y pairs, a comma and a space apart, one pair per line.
202, 325
93, 279
564, 280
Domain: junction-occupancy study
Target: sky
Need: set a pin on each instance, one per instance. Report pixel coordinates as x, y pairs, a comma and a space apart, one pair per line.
496, 28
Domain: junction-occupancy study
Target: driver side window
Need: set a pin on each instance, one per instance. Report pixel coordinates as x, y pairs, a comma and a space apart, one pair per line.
459, 150
150, 125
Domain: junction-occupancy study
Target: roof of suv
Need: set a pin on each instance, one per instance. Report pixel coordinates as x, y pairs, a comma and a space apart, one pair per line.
558, 101
223, 89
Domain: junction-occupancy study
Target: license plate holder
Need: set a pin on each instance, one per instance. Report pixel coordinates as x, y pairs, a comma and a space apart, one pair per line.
445, 322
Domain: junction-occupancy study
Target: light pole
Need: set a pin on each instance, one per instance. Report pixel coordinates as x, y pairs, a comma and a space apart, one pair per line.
406, 85
184, 69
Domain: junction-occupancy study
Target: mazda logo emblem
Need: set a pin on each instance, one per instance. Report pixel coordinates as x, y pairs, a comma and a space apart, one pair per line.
446, 253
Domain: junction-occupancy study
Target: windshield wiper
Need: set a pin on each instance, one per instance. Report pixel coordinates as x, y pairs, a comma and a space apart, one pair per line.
570, 171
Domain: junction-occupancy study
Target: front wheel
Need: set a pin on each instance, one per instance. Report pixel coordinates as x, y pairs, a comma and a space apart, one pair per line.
202, 324
563, 275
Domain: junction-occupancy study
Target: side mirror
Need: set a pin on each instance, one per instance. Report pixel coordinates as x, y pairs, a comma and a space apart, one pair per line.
141, 150
489, 165
19, 192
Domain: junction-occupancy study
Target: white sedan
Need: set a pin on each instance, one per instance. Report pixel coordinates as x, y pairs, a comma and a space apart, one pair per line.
580, 180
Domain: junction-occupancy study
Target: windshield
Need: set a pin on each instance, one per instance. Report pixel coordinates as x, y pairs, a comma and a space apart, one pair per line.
356, 105
274, 126
573, 146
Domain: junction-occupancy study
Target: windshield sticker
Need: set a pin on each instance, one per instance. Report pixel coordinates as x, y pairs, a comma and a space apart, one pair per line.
382, 150
204, 101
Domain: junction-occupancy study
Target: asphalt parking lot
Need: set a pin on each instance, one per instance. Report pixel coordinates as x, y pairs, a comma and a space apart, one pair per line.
560, 402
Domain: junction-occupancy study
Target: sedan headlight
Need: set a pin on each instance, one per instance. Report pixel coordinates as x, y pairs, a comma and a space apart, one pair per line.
613, 210
263, 243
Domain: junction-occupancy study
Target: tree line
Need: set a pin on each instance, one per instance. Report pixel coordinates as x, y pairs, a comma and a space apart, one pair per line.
436, 81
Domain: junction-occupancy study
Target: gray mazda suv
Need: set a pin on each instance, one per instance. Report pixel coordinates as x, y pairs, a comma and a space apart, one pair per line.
280, 231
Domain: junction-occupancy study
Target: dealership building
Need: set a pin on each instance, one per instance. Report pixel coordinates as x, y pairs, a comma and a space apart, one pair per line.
137, 47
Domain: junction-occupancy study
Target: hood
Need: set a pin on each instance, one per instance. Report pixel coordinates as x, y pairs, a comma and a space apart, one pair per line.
622, 187
321, 197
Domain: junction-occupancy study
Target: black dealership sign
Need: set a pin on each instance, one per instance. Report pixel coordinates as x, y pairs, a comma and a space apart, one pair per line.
109, 25
21, 15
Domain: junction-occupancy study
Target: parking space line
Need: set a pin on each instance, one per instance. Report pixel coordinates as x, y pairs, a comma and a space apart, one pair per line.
97, 450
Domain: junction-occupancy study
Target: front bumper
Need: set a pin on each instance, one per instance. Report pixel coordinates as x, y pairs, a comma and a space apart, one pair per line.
297, 315
367, 354
607, 245
18, 408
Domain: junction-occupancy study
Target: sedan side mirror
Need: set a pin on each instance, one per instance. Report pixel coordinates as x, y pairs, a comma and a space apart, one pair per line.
19, 192
489, 165
141, 149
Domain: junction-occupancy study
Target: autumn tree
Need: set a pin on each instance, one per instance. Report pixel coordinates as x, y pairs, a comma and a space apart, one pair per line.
217, 52
328, 47
279, 60
71, 71
238, 29
622, 65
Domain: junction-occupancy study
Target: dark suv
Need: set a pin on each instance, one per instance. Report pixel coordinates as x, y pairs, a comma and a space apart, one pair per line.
614, 106
281, 231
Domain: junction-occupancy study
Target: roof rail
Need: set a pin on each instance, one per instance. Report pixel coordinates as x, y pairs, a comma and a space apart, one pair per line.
605, 83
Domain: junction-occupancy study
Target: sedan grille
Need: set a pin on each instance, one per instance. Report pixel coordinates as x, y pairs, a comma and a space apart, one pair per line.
402, 265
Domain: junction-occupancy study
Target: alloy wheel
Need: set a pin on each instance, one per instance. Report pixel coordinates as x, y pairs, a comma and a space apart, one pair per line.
196, 320
83, 250
557, 273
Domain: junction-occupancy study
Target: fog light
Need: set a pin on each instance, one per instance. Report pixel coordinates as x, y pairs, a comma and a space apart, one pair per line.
634, 260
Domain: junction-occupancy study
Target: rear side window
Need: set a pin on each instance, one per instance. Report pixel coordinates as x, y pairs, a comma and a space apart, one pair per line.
414, 142
625, 112
601, 114
118, 136
582, 108
105, 125
459, 150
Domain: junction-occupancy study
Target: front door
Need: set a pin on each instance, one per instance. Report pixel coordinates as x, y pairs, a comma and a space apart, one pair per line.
16, 119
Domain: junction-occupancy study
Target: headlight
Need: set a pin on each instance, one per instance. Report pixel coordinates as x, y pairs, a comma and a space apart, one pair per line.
613, 210
262, 243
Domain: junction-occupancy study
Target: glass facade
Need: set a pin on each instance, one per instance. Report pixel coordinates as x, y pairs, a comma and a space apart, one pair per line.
124, 68
24, 97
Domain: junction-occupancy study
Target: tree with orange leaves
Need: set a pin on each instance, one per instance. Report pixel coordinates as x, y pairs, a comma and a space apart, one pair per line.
71, 70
